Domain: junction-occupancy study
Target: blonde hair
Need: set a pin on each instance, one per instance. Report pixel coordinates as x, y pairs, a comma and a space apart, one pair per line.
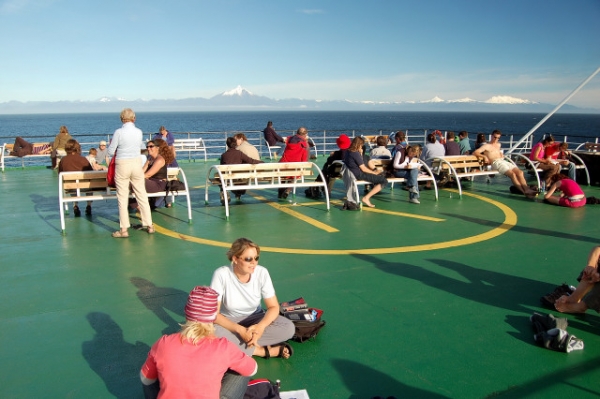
63, 130
194, 331
127, 115
239, 246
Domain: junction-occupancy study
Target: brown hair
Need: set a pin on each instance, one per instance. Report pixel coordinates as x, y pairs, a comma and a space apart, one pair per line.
382, 141
63, 130
164, 150
238, 136
357, 144
557, 177
239, 246
72, 147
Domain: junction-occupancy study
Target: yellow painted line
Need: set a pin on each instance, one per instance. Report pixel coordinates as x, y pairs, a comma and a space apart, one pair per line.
406, 215
377, 210
510, 220
297, 215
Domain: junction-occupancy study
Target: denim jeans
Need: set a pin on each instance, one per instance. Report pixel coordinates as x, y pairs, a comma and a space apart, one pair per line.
411, 176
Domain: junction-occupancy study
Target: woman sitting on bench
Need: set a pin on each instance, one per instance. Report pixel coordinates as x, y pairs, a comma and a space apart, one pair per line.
355, 162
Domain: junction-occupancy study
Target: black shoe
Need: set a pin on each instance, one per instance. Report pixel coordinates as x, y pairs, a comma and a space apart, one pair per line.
549, 299
88, 210
76, 211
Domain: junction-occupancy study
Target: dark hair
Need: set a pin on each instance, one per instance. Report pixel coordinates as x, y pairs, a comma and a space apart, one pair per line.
463, 133
269, 124
431, 138
72, 147
480, 138
231, 142
548, 139
450, 136
400, 135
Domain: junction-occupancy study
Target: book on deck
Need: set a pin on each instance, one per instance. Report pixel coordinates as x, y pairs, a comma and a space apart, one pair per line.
290, 306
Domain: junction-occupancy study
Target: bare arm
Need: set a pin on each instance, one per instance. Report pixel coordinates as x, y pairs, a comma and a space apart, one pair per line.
272, 313
553, 188
479, 153
158, 163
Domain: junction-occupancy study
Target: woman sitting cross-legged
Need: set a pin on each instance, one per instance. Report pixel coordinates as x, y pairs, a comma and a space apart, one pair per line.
355, 162
194, 363
572, 195
241, 319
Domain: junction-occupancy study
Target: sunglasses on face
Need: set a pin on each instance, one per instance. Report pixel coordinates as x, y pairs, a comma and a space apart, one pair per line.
150, 146
250, 259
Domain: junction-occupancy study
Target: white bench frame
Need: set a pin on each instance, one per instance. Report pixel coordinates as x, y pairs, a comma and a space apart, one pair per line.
309, 140
383, 163
96, 181
533, 166
263, 176
471, 168
189, 146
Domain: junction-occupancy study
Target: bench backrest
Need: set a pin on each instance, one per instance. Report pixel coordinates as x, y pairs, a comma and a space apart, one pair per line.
458, 162
265, 170
84, 180
189, 144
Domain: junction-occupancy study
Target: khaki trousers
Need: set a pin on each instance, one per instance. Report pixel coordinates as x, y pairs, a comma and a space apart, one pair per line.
129, 171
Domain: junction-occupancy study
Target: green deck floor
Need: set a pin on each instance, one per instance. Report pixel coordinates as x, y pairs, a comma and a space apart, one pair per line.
417, 308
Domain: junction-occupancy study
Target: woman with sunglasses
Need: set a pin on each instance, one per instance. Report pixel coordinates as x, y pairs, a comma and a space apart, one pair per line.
155, 170
241, 318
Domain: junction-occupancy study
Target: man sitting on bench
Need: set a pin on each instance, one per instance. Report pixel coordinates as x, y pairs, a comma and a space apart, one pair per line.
491, 154
23, 147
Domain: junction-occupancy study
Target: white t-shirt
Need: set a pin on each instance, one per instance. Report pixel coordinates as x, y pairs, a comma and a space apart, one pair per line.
241, 299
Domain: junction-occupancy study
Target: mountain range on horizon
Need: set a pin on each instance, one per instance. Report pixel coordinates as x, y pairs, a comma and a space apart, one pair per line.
240, 99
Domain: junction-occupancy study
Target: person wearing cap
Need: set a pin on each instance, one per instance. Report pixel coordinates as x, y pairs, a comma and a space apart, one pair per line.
102, 154
330, 169
242, 320
193, 362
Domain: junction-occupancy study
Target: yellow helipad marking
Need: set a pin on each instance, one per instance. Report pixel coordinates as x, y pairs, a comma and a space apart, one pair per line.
297, 215
510, 220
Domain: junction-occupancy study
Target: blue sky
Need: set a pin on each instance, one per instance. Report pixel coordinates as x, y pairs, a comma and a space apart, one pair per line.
392, 50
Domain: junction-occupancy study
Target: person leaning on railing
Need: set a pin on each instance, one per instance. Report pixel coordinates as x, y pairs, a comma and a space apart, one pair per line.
58, 147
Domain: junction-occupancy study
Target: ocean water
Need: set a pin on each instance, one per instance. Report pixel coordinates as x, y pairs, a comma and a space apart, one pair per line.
90, 127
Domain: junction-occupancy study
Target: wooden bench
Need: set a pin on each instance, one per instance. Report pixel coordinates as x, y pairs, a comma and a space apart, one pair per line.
459, 166
263, 176
92, 186
522, 158
425, 175
38, 148
190, 146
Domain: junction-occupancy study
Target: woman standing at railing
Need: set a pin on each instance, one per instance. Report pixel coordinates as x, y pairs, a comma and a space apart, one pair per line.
126, 144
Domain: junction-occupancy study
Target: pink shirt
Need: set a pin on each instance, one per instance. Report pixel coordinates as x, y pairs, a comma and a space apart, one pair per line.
542, 153
570, 188
194, 371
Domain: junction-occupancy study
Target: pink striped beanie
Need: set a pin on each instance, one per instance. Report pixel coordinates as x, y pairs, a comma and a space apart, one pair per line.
202, 305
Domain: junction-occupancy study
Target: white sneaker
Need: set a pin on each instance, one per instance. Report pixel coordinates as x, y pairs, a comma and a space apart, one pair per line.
413, 190
414, 201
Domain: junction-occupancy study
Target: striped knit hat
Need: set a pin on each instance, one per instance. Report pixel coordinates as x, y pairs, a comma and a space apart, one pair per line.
202, 305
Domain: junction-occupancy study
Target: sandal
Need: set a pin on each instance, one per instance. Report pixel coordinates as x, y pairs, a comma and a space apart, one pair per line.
282, 346
120, 234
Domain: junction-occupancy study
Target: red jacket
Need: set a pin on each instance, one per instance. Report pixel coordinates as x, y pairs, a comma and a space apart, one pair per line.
296, 150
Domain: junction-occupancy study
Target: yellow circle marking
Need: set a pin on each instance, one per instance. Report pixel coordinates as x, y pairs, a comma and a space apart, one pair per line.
510, 220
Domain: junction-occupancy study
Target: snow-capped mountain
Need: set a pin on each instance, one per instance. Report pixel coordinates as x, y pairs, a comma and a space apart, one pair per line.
240, 98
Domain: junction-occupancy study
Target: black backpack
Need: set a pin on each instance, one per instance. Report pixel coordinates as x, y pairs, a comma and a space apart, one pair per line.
262, 389
174, 186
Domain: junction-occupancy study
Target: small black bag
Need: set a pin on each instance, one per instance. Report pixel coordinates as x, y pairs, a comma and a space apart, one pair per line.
174, 186
306, 330
262, 389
